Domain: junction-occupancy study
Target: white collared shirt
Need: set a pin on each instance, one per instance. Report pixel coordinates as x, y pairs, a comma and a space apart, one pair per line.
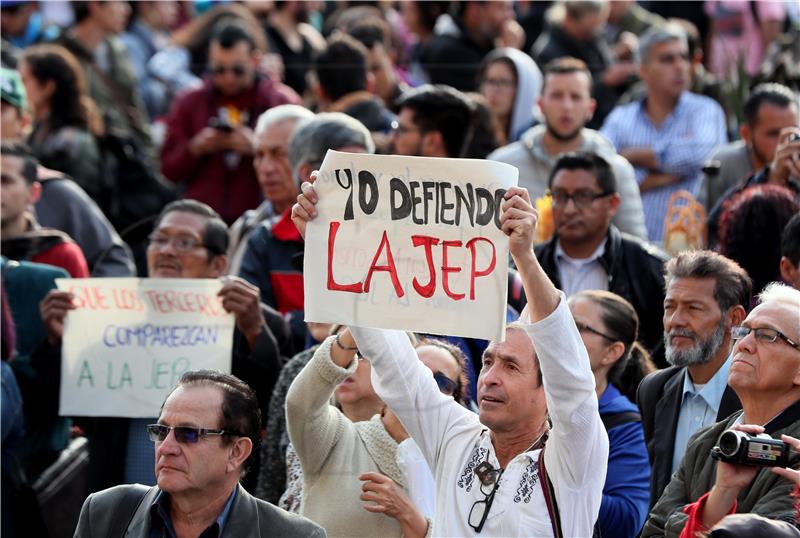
585, 274
454, 441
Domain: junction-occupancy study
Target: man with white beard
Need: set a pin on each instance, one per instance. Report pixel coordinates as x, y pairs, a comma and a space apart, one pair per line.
706, 295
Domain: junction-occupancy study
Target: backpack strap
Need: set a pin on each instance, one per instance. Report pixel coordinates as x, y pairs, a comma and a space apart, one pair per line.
130, 502
550, 498
613, 420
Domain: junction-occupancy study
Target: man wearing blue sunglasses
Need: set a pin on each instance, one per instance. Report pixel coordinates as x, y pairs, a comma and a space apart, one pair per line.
208, 428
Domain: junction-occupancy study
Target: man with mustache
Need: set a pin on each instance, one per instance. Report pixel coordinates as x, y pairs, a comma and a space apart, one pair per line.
706, 295
189, 240
204, 439
765, 373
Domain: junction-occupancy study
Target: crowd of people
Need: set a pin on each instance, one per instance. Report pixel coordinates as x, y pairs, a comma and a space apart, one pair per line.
653, 282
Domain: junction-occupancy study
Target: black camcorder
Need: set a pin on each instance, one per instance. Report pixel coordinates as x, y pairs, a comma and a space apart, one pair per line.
741, 448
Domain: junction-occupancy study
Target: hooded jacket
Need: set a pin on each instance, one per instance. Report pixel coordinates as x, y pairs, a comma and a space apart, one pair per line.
534, 164
529, 86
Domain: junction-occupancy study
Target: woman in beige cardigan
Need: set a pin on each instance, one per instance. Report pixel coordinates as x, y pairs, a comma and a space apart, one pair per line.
346, 463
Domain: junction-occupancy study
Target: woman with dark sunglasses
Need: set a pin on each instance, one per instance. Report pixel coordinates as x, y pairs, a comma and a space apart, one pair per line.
608, 325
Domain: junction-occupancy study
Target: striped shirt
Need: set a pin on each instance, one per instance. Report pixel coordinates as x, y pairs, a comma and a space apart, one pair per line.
682, 144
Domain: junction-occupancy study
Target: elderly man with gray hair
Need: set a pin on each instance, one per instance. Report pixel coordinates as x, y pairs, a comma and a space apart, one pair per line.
669, 134
274, 172
273, 248
765, 374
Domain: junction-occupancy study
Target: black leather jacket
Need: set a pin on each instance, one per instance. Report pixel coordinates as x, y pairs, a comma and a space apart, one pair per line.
636, 272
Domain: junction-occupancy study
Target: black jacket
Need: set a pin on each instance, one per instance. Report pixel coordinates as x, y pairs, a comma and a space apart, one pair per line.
556, 43
453, 58
659, 398
636, 272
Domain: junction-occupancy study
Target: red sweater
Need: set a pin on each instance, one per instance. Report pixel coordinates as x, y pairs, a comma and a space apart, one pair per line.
230, 191
68, 256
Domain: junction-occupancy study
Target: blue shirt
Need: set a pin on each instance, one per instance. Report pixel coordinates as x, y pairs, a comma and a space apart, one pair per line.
626, 493
699, 408
682, 143
162, 522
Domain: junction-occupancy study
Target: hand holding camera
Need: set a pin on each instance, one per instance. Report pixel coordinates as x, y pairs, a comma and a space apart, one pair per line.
741, 448
787, 472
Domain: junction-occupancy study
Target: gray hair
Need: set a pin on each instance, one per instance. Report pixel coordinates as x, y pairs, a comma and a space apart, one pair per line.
328, 130
280, 114
576, 9
661, 34
779, 292
732, 285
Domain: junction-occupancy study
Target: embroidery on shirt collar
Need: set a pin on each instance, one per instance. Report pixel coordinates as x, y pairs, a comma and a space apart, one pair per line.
528, 481
479, 454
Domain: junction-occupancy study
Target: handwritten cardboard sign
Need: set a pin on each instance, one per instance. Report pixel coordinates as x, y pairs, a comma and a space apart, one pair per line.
409, 243
130, 339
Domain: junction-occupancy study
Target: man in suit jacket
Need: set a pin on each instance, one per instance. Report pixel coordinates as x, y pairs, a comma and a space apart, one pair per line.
204, 438
706, 295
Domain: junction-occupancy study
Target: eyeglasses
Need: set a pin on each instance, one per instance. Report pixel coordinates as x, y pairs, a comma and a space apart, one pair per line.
183, 434
180, 243
585, 328
220, 69
480, 509
446, 385
499, 83
582, 199
762, 334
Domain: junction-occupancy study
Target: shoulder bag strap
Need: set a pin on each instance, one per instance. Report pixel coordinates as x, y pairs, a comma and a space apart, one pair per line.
618, 419
550, 498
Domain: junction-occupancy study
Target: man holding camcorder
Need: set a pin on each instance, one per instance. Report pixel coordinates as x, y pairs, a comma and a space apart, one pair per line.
765, 374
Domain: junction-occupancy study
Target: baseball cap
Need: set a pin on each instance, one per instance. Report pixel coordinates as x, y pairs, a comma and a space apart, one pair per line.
11, 89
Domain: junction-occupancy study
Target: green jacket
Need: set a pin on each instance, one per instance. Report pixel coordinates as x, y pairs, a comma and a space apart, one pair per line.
768, 495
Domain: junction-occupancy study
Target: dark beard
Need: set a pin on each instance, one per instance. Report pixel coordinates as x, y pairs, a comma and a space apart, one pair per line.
563, 138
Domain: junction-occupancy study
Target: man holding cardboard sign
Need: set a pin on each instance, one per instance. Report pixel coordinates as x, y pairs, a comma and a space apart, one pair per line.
535, 391
189, 242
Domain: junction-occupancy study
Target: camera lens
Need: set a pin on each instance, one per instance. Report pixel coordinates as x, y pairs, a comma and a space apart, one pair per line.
729, 443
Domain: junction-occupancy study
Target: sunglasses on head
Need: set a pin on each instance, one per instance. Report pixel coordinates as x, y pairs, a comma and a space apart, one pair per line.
183, 434
446, 385
237, 69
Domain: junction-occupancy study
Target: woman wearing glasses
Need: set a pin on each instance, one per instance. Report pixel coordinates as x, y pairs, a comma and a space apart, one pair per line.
511, 81
358, 471
608, 325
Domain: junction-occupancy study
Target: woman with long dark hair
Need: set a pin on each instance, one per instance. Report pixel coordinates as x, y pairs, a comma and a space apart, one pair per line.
609, 325
65, 120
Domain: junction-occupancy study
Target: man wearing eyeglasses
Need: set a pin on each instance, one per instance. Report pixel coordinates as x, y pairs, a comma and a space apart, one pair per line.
706, 295
209, 143
189, 241
765, 373
207, 431
533, 462
587, 252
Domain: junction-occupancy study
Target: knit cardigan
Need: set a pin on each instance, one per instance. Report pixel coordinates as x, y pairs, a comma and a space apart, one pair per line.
334, 451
